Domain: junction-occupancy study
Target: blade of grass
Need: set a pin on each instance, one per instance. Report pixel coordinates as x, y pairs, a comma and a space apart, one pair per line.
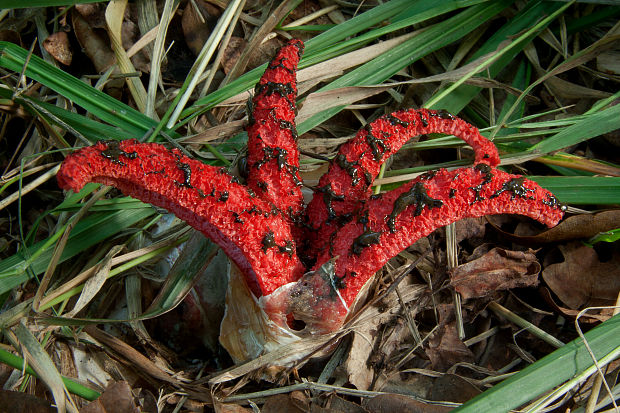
525, 18
597, 190
114, 15
72, 386
548, 372
97, 103
386, 65
588, 127
522, 39
158, 55
183, 273
41, 363
338, 40
203, 59
88, 232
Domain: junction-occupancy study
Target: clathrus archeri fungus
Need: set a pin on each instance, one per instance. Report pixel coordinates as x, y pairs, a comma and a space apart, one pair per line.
345, 234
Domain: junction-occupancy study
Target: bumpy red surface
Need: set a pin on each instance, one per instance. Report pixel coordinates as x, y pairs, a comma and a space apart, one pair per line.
350, 176
402, 216
273, 156
206, 197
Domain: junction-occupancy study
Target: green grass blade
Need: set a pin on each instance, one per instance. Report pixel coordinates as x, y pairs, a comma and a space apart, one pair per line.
338, 40
587, 127
582, 190
97, 103
73, 386
548, 372
196, 256
41, 362
389, 63
88, 232
523, 20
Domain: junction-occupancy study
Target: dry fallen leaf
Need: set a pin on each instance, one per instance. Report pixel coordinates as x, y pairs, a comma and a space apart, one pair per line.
57, 44
234, 48
117, 398
445, 348
196, 31
582, 280
390, 403
286, 403
499, 269
13, 401
581, 226
453, 388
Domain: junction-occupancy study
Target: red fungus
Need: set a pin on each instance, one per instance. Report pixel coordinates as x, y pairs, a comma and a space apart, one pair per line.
273, 156
261, 226
389, 224
249, 229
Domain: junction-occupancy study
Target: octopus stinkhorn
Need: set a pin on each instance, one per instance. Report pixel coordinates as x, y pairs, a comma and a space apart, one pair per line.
309, 262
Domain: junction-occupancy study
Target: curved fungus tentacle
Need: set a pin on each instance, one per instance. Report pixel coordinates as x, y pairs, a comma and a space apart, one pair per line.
253, 234
354, 233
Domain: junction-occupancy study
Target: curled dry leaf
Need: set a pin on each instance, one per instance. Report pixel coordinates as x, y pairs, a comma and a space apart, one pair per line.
581, 226
499, 269
582, 280
57, 44
586, 318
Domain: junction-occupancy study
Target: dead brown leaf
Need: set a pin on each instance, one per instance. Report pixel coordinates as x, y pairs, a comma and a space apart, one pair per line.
390, 403
283, 403
117, 398
13, 401
469, 228
234, 48
359, 373
57, 44
499, 269
582, 280
231, 408
194, 24
338, 404
445, 348
453, 388
588, 317
98, 51
581, 226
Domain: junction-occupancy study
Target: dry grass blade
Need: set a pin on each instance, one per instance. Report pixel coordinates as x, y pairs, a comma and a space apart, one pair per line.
114, 18
130, 355
158, 56
94, 283
41, 363
60, 247
204, 57
29, 187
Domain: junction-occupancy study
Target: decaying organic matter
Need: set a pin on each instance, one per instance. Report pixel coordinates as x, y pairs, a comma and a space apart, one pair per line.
345, 234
